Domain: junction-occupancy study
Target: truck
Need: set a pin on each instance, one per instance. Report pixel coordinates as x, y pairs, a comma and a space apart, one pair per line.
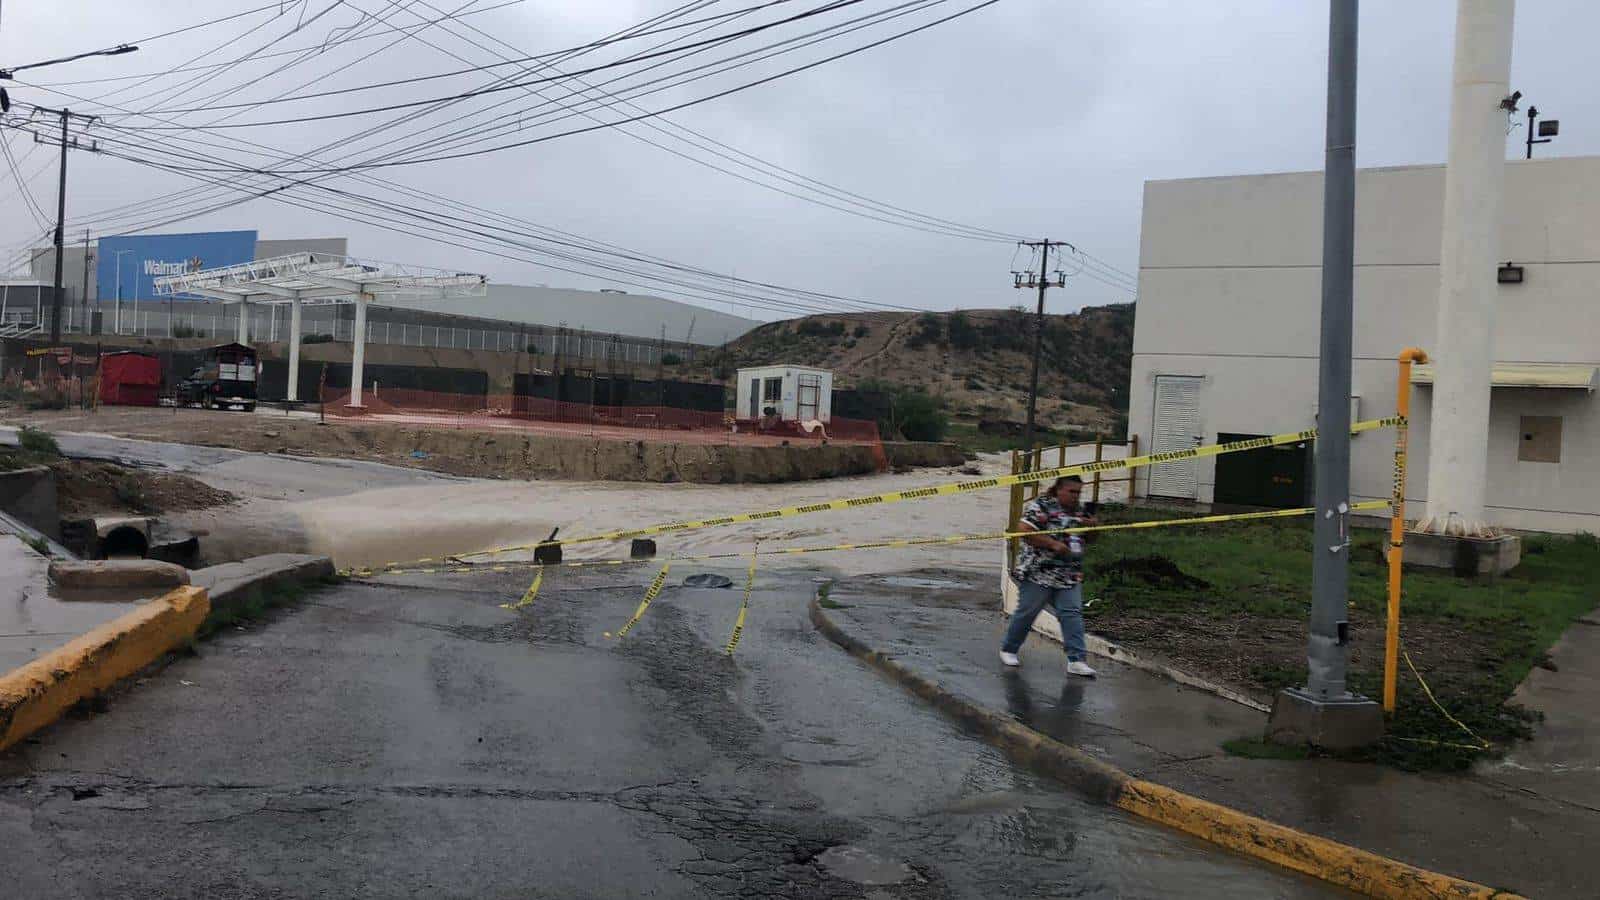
226, 378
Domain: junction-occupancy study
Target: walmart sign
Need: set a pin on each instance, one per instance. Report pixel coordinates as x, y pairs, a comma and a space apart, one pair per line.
133, 262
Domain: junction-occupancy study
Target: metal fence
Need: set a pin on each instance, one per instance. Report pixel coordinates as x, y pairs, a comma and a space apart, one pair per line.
271, 323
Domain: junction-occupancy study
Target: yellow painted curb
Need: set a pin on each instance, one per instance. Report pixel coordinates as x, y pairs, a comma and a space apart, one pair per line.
38, 693
1341, 864
1329, 860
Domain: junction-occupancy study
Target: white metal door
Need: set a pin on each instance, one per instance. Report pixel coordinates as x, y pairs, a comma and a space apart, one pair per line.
809, 396
1176, 427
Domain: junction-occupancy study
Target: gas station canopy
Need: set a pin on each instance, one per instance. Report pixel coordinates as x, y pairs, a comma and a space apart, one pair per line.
319, 279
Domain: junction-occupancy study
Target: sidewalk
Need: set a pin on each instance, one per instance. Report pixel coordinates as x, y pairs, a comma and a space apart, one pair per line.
1562, 762
1487, 830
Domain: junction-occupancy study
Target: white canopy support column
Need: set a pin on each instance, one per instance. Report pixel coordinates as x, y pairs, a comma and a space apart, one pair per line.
294, 350
320, 279
358, 348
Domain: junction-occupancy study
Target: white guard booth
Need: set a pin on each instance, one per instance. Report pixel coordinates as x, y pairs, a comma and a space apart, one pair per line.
319, 279
794, 393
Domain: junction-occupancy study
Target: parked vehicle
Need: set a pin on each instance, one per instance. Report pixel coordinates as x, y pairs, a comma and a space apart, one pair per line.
226, 378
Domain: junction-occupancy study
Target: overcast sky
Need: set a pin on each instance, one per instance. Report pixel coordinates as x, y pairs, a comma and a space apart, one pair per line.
1035, 117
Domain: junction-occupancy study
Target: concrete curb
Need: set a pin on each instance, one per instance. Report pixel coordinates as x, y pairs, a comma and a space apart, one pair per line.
38, 693
233, 587
1331, 861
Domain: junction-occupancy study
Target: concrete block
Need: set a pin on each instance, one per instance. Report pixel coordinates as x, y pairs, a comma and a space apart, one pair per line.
1466, 556
232, 586
117, 573
1298, 718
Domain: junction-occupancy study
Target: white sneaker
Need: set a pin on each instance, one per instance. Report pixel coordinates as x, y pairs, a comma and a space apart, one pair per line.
1010, 659
1077, 667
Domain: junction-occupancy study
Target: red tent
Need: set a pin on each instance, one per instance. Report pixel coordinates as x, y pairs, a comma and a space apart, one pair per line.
130, 378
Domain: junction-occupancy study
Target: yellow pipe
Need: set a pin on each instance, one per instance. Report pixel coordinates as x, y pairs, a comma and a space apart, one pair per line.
1397, 524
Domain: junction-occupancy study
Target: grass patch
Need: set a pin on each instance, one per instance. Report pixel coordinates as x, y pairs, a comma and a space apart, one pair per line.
38, 442
1257, 748
1232, 601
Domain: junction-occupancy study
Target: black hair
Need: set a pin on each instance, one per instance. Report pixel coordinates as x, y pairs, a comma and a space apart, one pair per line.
1065, 479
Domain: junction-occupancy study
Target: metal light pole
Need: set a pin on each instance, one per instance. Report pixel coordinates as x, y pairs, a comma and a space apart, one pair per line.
1548, 129
1324, 712
117, 314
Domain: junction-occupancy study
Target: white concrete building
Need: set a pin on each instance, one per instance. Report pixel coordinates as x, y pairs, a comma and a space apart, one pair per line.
795, 393
1225, 340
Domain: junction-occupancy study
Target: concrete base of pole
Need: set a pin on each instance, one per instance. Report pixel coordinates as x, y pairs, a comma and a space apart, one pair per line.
1466, 556
1299, 718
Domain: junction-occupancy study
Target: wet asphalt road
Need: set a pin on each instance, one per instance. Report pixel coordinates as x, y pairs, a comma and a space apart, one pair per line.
414, 739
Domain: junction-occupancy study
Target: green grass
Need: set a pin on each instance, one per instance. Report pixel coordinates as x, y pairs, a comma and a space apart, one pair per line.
1474, 639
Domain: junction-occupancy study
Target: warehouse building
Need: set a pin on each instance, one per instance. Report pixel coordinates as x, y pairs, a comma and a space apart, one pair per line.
1226, 335
111, 281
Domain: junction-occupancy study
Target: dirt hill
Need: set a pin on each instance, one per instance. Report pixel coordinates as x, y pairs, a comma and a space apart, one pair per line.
977, 361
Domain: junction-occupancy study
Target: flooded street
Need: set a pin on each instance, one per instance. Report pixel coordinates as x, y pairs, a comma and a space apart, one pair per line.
365, 513
411, 738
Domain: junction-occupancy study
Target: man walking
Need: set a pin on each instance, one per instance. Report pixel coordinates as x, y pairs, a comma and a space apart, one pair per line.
1049, 572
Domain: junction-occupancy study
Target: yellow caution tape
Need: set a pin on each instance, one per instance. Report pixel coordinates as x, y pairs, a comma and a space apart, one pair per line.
650, 595
744, 608
1363, 506
1482, 744
528, 595
945, 490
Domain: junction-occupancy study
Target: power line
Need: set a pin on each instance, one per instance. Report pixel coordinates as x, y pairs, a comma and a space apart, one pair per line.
463, 95
34, 209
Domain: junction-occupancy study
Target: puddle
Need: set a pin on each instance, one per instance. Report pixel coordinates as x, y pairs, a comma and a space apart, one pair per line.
862, 866
924, 583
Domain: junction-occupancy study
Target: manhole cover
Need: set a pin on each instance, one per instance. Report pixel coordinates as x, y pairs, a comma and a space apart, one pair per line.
862, 866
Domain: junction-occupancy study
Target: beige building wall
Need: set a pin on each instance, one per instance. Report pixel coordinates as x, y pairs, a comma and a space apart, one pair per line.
1230, 289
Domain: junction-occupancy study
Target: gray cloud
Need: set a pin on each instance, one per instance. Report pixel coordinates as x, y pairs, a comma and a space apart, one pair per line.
1040, 117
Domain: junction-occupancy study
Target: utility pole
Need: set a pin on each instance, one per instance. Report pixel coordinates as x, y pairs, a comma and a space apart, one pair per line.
1043, 282
61, 210
1324, 712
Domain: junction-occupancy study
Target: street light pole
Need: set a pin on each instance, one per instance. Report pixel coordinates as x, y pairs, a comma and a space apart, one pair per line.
117, 316
1324, 712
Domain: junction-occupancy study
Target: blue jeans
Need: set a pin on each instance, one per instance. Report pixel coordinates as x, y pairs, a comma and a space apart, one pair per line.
1067, 605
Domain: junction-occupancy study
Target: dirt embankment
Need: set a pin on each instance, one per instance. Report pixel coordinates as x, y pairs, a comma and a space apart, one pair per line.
487, 453
88, 488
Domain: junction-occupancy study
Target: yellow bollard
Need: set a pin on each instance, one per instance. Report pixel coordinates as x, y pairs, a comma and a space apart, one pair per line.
1397, 524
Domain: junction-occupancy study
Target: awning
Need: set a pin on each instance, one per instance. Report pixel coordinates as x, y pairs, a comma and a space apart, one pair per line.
1528, 375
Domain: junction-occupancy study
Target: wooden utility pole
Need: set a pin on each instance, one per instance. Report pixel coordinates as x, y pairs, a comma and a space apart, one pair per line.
61, 210
1043, 282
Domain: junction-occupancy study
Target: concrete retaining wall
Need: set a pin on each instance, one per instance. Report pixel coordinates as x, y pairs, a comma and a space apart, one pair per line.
30, 495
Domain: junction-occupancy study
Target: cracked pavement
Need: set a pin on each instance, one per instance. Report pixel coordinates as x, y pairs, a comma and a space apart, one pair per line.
408, 737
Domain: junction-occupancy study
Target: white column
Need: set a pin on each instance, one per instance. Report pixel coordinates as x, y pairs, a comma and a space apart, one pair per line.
244, 322
1463, 350
358, 348
294, 349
